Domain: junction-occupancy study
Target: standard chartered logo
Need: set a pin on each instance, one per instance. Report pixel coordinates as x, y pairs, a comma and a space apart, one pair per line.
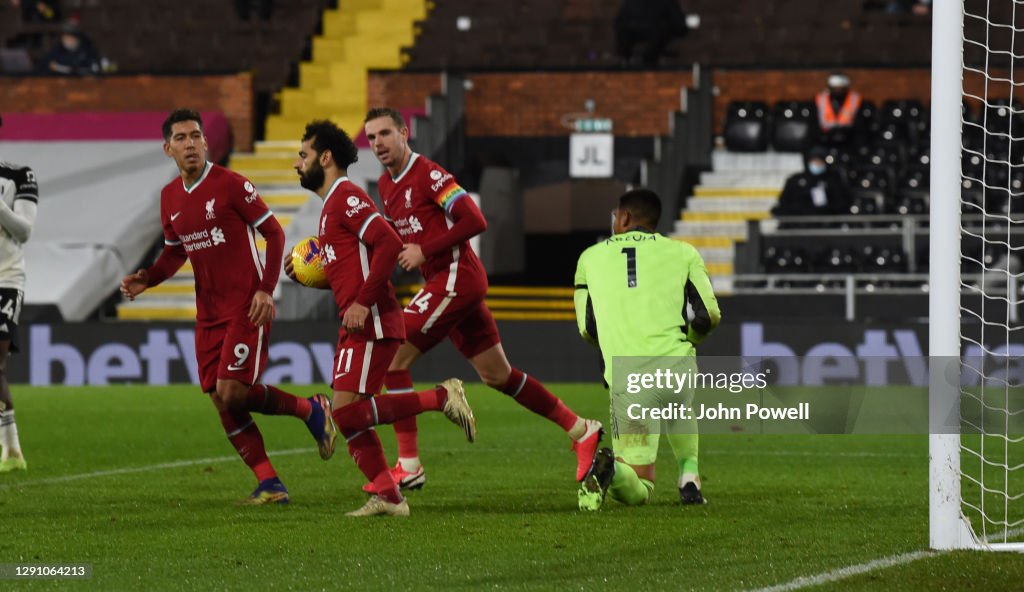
203, 239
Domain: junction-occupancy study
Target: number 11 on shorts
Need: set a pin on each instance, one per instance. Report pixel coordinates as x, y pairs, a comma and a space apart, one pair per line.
344, 359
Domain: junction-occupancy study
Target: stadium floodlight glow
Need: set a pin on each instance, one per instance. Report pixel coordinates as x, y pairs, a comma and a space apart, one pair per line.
976, 480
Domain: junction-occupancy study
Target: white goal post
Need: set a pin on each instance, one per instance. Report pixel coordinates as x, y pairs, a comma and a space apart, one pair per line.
976, 475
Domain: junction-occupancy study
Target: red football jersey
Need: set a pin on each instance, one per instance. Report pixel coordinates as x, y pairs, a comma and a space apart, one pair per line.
418, 202
348, 212
215, 220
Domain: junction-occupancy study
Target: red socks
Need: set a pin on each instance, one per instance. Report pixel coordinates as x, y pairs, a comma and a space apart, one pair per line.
248, 441
363, 414
400, 382
531, 394
366, 450
270, 400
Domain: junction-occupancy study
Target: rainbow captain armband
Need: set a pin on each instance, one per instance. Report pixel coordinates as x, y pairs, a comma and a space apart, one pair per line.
449, 195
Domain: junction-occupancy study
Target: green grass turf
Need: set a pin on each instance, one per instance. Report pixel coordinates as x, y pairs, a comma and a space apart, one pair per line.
498, 514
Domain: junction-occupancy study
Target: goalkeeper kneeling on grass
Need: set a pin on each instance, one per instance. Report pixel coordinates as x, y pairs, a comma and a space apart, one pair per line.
632, 293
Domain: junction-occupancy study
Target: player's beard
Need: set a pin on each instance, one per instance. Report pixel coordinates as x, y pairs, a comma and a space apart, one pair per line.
313, 179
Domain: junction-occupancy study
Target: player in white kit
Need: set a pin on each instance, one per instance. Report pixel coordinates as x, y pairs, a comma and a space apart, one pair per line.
19, 194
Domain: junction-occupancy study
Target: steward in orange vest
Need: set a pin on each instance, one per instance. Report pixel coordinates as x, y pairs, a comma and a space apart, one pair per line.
837, 105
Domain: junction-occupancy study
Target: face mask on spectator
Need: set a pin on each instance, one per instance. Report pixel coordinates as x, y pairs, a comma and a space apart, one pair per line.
816, 167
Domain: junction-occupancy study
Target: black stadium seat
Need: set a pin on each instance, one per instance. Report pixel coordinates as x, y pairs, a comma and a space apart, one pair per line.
794, 126
836, 260
785, 260
868, 119
746, 127
871, 188
912, 190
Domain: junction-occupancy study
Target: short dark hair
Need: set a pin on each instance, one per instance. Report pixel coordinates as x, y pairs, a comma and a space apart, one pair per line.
643, 204
178, 116
328, 136
386, 112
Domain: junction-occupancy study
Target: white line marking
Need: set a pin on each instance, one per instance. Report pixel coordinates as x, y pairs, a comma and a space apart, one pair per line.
130, 470
997, 537
223, 459
846, 572
922, 455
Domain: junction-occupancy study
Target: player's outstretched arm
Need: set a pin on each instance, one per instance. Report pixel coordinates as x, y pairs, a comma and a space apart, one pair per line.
167, 264
134, 284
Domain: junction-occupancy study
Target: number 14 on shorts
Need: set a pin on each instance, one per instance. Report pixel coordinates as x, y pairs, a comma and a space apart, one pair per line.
419, 303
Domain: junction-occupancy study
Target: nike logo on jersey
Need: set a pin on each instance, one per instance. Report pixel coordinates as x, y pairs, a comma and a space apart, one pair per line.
340, 375
234, 368
175, 215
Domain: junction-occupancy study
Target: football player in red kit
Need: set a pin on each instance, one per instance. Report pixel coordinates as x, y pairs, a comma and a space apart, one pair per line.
360, 250
210, 216
435, 218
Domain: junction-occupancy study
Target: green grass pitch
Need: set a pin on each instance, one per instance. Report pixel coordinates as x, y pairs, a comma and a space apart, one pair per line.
141, 483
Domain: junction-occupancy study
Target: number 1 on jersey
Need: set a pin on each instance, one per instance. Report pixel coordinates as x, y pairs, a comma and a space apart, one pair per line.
630, 266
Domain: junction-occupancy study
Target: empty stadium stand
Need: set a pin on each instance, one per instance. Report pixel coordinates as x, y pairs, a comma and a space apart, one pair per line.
464, 34
341, 41
169, 36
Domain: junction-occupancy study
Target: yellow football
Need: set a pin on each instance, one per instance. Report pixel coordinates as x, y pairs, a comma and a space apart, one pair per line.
308, 263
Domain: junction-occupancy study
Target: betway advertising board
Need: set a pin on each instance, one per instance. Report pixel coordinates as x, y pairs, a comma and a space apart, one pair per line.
302, 353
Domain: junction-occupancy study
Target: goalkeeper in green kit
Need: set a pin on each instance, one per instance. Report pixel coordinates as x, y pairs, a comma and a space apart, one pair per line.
632, 295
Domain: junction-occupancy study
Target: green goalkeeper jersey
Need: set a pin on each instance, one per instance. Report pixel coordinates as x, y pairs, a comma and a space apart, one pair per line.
632, 292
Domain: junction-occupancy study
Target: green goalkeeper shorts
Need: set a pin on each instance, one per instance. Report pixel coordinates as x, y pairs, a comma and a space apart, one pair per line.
639, 419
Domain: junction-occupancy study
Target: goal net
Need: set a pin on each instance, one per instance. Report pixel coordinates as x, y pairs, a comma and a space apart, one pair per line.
976, 338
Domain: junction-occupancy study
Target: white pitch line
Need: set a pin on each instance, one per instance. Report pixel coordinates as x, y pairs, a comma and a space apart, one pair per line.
130, 470
994, 537
846, 572
223, 459
923, 455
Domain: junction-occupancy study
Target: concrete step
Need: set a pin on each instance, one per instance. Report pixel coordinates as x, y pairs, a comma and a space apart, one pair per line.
156, 310
276, 177
327, 50
263, 161
179, 286
282, 129
723, 285
337, 74
719, 204
278, 146
719, 269
744, 178
718, 254
706, 242
704, 228
735, 192
725, 216
722, 160
286, 201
